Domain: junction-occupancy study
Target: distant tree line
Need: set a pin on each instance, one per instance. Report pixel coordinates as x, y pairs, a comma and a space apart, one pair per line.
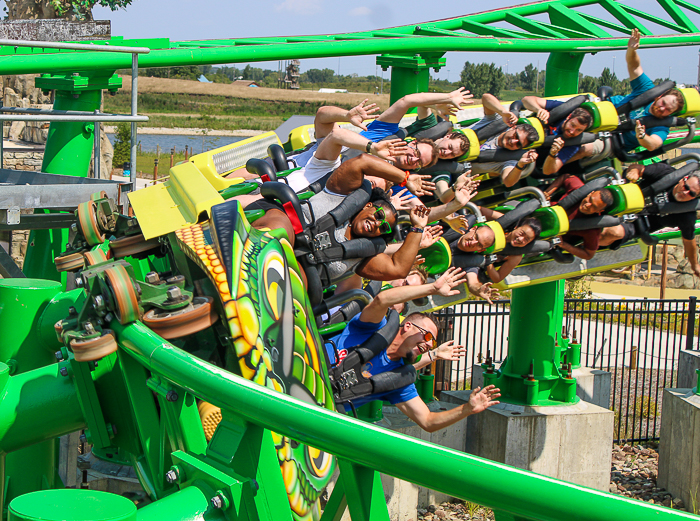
479, 78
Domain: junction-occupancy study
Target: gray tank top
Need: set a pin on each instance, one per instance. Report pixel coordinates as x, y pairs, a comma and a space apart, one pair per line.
322, 203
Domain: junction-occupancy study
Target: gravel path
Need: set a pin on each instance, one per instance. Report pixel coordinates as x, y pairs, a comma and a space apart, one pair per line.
633, 474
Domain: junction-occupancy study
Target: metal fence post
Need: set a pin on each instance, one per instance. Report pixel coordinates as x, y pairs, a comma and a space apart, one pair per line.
690, 331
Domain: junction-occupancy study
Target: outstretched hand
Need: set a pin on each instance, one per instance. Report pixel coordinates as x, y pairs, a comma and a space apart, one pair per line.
459, 223
450, 352
481, 399
431, 235
445, 110
528, 157
460, 97
449, 280
390, 149
543, 115
358, 114
420, 184
488, 292
633, 42
401, 200
419, 216
509, 118
464, 194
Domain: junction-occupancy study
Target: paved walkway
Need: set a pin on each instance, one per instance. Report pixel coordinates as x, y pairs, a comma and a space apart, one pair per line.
610, 290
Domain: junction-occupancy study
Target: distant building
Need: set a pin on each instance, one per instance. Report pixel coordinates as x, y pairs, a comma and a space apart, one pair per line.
331, 91
203, 79
246, 83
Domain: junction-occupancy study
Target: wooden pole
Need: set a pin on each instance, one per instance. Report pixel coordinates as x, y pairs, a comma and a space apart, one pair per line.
187, 150
155, 170
172, 156
633, 358
664, 267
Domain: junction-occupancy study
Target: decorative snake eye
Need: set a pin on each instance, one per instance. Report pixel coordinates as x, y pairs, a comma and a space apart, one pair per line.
274, 276
319, 462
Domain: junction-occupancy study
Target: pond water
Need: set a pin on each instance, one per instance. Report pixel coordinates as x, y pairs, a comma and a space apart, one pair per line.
196, 144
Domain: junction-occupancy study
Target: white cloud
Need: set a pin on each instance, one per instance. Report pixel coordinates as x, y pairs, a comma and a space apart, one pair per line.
360, 11
300, 6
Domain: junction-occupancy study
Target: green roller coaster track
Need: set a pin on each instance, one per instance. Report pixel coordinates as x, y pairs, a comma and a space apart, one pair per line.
143, 396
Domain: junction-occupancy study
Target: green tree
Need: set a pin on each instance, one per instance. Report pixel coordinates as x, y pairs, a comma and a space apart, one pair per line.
319, 76
122, 144
66, 9
587, 83
483, 77
609, 79
528, 77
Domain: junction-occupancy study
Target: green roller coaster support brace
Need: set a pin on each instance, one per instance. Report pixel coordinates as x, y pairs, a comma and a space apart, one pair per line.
23, 349
562, 73
697, 387
530, 374
68, 152
409, 74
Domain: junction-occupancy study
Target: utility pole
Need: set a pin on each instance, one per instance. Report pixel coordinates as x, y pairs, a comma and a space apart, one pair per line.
537, 82
698, 83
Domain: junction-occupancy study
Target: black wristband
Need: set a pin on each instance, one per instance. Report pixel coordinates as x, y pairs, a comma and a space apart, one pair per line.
368, 147
414, 229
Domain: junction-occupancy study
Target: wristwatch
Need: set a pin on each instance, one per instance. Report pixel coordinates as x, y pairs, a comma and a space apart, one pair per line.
368, 147
414, 229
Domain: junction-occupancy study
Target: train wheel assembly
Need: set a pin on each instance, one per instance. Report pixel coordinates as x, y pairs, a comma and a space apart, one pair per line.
132, 245
94, 348
71, 262
95, 257
194, 318
87, 222
126, 304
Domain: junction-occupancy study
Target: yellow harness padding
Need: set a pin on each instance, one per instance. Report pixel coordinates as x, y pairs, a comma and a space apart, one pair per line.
604, 115
500, 237
214, 164
474, 147
630, 198
691, 107
184, 199
540, 132
300, 137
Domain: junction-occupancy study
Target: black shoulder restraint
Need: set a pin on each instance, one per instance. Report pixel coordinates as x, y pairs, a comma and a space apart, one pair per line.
347, 381
670, 179
316, 245
575, 197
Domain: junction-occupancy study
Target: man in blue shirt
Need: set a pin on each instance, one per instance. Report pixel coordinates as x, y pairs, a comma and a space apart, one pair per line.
416, 336
663, 106
574, 124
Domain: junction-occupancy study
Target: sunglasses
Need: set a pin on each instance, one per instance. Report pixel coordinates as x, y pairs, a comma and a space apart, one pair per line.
427, 335
686, 188
380, 217
420, 161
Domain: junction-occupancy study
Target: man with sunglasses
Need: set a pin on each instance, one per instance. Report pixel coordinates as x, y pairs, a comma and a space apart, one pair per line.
683, 191
416, 337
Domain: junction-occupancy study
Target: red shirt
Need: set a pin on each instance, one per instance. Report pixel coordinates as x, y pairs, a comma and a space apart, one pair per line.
591, 238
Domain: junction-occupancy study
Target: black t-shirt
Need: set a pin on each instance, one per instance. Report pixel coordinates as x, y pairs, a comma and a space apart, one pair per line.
684, 221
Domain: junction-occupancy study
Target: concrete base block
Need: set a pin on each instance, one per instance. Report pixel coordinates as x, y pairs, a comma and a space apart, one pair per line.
688, 362
571, 443
404, 498
679, 449
592, 385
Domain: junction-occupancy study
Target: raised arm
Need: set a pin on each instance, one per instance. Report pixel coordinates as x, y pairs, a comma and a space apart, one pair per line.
462, 196
375, 310
328, 115
493, 106
500, 273
537, 106
348, 176
333, 144
398, 110
634, 64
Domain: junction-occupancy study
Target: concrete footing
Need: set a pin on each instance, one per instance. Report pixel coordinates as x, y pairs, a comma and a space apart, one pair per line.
404, 498
592, 385
679, 449
572, 443
688, 362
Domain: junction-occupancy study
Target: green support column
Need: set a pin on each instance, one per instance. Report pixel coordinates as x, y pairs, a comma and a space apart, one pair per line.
409, 74
531, 374
68, 152
22, 302
562, 73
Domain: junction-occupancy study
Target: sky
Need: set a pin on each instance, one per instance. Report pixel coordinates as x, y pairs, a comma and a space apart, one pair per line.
211, 19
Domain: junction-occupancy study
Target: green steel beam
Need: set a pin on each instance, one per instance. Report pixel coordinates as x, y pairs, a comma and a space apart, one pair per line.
567, 17
609, 25
488, 30
652, 18
461, 475
690, 7
533, 26
245, 53
679, 16
623, 16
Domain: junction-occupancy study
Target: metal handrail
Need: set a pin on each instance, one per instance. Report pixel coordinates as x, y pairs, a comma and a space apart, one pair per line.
74, 46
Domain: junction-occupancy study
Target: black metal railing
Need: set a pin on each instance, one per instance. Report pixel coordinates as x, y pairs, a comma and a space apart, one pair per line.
637, 341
